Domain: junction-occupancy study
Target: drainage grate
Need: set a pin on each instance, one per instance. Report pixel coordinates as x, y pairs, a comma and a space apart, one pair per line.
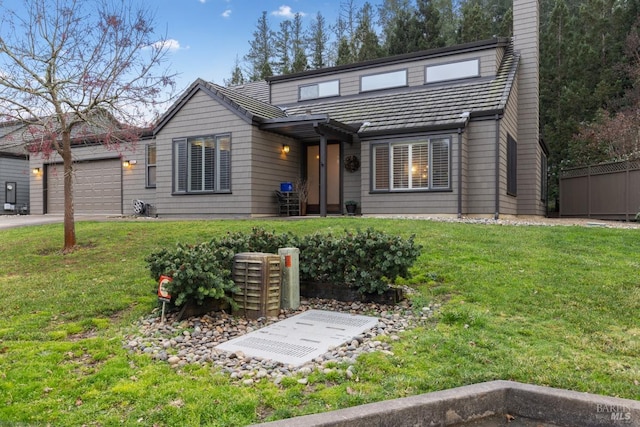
301, 338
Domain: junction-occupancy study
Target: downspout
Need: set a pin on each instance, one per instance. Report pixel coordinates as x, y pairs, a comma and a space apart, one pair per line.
497, 172
465, 115
459, 172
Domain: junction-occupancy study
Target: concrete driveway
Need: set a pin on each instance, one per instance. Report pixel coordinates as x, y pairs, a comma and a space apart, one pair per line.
11, 221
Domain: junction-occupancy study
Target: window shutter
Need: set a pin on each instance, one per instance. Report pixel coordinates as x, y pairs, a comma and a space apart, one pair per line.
400, 166
180, 166
440, 163
512, 166
224, 163
381, 167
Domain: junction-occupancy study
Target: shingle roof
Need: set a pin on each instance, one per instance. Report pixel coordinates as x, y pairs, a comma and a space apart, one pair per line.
249, 105
427, 106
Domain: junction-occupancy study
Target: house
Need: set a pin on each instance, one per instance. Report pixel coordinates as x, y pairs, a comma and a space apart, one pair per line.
450, 131
14, 171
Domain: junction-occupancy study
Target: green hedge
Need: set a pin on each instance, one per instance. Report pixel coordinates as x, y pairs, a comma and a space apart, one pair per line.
365, 260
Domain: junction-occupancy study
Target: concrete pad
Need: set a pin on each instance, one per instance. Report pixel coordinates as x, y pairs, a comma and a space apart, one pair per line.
301, 338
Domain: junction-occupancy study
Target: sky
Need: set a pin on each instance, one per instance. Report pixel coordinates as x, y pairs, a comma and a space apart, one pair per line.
208, 35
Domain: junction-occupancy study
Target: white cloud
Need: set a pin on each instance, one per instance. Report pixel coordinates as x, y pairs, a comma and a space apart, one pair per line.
226, 13
285, 12
202, 1
169, 44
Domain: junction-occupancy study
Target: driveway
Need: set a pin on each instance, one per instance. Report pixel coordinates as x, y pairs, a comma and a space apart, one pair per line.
11, 221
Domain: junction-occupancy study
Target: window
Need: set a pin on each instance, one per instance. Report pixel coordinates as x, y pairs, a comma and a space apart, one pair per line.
383, 81
416, 165
453, 71
150, 161
512, 166
202, 164
319, 90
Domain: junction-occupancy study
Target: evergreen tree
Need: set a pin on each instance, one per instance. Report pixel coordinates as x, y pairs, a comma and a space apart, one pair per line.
402, 33
475, 22
449, 20
391, 14
260, 50
428, 18
298, 45
282, 47
366, 39
318, 38
237, 78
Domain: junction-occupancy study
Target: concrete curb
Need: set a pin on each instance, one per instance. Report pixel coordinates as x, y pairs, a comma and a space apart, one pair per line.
476, 402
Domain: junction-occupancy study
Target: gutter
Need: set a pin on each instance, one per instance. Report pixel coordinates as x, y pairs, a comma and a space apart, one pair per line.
496, 215
461, 129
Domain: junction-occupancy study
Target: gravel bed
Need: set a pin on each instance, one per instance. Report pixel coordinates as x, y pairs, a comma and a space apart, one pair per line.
193, 341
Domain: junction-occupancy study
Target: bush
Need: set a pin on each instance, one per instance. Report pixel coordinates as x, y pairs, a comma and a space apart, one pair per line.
366, 260
198, 272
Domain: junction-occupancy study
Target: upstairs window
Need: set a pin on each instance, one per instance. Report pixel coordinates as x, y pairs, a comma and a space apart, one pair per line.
202, 164
319, 90
452, 71
150, 158
415, 165
383, 81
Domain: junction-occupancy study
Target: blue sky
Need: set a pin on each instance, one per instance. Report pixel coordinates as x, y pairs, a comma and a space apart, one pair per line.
208, 35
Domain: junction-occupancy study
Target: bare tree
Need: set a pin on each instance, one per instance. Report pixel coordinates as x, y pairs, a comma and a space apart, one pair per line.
73, 69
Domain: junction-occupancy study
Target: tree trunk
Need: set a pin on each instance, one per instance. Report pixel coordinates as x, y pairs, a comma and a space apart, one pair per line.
69, 222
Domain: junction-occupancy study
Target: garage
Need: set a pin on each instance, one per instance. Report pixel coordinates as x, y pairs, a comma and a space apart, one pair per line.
97, 187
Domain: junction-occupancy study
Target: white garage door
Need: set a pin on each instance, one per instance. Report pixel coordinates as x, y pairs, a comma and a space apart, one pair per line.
97, 188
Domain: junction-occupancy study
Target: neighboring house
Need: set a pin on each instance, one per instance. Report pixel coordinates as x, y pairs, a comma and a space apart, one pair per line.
451, 131
14, 171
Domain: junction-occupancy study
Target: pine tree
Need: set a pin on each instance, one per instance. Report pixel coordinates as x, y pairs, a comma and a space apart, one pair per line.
318, 39
298, 45
260, 50
366, 39
428, 18
282, 47
237, 78
475, 22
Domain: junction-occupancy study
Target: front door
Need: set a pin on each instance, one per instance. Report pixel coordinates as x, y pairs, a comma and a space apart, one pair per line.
333, 178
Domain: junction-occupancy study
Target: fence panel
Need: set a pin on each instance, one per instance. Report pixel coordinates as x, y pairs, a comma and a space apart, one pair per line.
606, 191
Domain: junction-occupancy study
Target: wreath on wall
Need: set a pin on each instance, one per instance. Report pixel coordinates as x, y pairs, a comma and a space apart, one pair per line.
351, 163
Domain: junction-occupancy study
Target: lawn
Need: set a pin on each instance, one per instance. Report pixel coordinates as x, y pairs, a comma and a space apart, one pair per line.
553, 306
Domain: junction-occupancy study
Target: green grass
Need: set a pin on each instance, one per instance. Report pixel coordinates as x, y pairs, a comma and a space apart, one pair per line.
554, 306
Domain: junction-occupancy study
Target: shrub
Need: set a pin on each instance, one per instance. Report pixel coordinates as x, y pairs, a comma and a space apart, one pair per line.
259, 240
367, 260
198, 272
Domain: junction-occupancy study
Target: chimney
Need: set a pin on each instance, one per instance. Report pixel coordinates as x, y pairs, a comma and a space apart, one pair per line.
526, 35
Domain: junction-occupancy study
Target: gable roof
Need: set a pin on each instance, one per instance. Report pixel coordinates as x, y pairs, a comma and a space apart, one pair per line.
246, 107
446, 105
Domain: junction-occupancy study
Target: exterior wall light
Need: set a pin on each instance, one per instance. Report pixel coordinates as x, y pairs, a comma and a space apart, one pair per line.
35, 171
128, 163
285, 148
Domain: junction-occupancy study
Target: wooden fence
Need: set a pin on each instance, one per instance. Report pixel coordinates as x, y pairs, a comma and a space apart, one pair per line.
609, 191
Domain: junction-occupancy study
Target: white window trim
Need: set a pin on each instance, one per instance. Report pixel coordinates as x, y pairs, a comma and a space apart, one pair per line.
181, 175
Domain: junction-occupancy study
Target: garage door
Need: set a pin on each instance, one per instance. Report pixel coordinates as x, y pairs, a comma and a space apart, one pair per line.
97, 188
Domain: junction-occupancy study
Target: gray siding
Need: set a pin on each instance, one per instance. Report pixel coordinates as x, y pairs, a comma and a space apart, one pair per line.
351, 181
286, 92
258, 165
14, 170
509, 126
203, 116
269, 167
526, 26
481, 185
